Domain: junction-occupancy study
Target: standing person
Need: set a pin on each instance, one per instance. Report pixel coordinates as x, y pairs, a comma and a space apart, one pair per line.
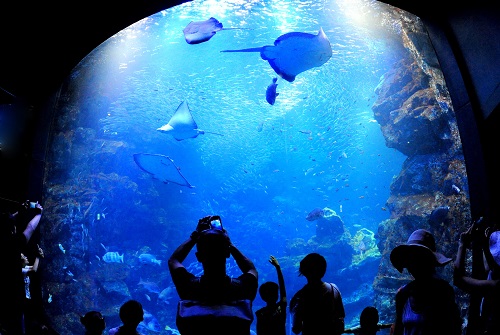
317, 308
488, 288
271, 319
93, 322
368, 323
131, 314
34, 314
14, 236
426, 305
214, 286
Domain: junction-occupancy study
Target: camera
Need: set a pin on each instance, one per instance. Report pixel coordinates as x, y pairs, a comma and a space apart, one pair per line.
209, 222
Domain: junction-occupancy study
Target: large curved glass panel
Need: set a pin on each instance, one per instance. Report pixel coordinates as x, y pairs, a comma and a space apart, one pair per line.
354, 154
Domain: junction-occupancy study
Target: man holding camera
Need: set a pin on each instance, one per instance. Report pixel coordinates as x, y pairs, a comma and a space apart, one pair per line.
14, 236
214, 286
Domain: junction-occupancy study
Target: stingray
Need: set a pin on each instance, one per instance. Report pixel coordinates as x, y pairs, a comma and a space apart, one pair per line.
161, 167
201, 31
294, 53
182, 124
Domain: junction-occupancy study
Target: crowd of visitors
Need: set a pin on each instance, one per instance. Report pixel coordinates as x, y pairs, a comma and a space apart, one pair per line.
214, 302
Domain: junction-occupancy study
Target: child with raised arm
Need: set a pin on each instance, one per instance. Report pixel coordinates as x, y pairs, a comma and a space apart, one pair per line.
271, 319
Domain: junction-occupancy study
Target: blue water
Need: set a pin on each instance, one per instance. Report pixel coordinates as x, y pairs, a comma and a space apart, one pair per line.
317, 146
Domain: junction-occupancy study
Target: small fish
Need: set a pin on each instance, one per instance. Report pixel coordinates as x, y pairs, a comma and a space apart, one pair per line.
112, 257
62, 248
271, 92
49, 300
148, 297
166, 295
455, 189
150, 322
439, 214
69, 273
149, 259
260, 126
149, 286
315, 214
98, 258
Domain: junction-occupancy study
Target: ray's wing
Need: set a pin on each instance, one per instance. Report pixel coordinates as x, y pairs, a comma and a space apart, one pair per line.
161, 167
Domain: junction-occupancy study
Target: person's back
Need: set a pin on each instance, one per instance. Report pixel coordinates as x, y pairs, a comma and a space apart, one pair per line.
425, 306
271, 319
317, 307
131, 314
214, 287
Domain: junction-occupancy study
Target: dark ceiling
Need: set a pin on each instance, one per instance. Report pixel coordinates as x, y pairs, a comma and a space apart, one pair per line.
42, 41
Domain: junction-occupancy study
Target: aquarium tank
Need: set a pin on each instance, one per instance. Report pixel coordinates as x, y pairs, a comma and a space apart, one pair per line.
308, 126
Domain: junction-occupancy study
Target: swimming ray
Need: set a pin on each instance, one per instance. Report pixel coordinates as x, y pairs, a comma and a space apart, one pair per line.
201, 31
182, 124
162, 168
294, 53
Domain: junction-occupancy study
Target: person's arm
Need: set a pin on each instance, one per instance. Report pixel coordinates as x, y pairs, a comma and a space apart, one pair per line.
398, 324
182, 251
243, 262
281, 281
460, 279
37, 259
296, 314
33, 224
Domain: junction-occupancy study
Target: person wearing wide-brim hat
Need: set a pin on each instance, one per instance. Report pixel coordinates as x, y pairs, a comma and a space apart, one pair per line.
420, 248
426, 305
488, 288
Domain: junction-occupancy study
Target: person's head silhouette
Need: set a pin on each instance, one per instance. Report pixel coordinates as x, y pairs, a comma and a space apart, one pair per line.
313, 266
93, 322
131, 313
369, 318
269, 292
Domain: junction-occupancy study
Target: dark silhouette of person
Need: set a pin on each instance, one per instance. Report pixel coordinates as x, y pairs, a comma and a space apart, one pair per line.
214, 286
426, 305
131, 314
93, 322
271, 319
488, 287
33, 311
317, 308
368, 323
16, 230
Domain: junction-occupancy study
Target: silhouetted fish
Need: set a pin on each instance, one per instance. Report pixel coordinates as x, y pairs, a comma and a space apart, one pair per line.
271, 92
315, 214
439, 214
